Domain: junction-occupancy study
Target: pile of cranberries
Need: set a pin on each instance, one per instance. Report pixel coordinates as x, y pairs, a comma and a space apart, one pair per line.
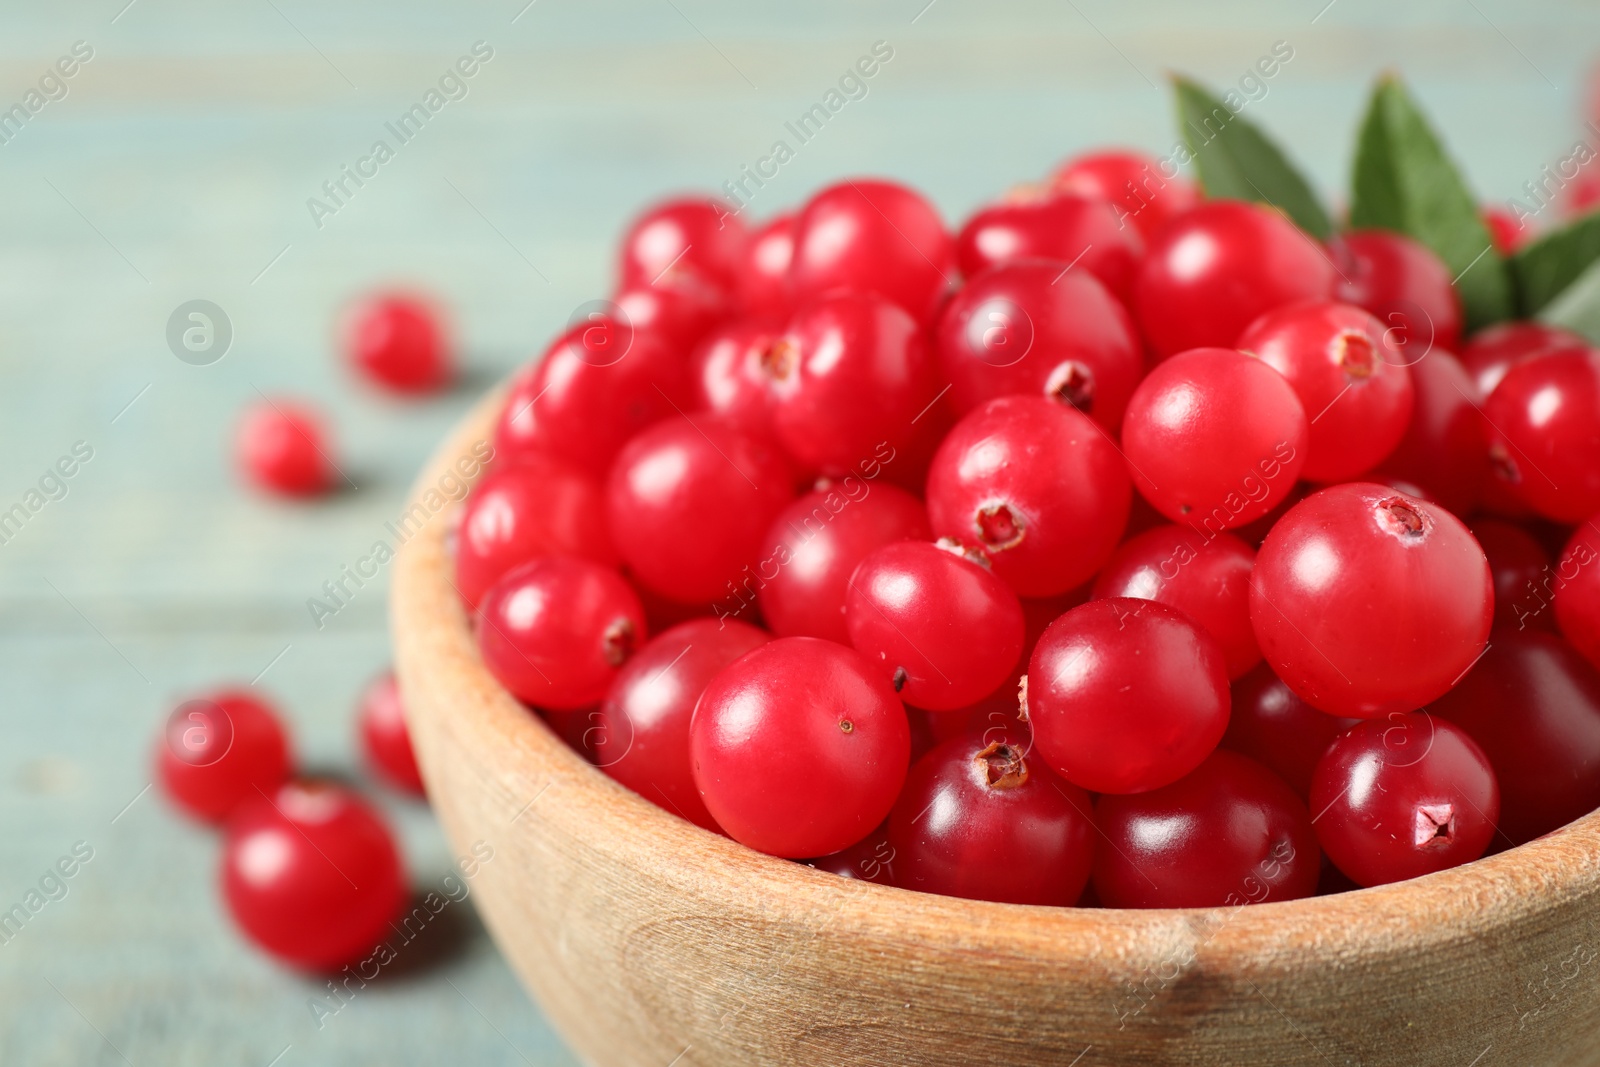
310, 871
1125, 547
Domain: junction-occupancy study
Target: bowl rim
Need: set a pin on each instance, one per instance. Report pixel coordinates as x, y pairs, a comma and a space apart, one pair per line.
436, 651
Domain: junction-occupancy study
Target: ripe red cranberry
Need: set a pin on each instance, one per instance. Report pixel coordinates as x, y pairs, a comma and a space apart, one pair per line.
1533, 705
1577, 590
218, 750
689, 501
941, 627
1406, 286
1279, 730
312, 875
1037, 486
1217, 268
873, 237
729, 376
680, 312
1214, 439
1351, 381
1505, 229
1027, 327
847, 381
1126, 695
1544, 444
1229, 833
384, 737
1518, 566
597, 385
282, 447
534, 505
1133, 182
554, 630
397, 342
1446, 449
764, 270
1067, 229
1495, 350
815, 544
799, 748
690, 237
1208, 580
1401, 797
979, 818
1367, 601
872, 859
640, 733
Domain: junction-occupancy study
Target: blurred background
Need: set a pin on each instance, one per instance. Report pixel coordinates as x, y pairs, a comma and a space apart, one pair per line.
178, 165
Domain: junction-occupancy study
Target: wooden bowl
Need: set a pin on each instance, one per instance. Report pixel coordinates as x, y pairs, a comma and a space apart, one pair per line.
651, 943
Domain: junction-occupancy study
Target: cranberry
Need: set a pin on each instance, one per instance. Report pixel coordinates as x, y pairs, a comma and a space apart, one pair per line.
981, 819
1545, 433
385, 739
729, 374
1401, 797
1035, 327
1497, 349
1446, 448
397, 342
1037, 486
283, 448
764, 270
1214, 270
1577, 590
941, 627
1349, 377
1506, 230
312, 875
1406, 286
869, 860
848, 381
1208, 580
1518, 565
1214, 438
597, 385
1367, 601
799, 748
1533, 705
816, 543
1126, 695
1077, 230
698, 238
689, 501
533, 506
1134, 184
1229, 833
554, 630
640, 733
680, 312
1279, 730
873, 237
218, 750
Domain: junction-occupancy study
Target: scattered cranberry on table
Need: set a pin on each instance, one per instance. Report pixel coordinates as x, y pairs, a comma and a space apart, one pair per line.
282, 447
398, 342
220, 751
311, 874
385, 738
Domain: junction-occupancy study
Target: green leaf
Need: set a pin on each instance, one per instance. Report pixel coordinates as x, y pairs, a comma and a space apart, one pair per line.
1238, 162
1578, 306
1404, 181
1545, 268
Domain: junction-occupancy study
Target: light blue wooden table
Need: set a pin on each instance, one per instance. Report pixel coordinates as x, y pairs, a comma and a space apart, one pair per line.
178, 166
